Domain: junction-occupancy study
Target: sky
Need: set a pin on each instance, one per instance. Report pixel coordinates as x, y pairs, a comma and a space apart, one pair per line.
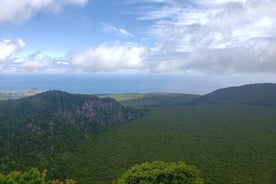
198, 44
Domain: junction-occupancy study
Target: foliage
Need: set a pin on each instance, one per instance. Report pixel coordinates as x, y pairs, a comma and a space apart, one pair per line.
33, 176
160, 172
52, 124
229, 144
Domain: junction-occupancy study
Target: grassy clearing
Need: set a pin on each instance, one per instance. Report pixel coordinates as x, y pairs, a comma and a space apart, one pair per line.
152, 99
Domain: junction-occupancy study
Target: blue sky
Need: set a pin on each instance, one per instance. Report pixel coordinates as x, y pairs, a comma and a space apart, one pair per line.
233, 40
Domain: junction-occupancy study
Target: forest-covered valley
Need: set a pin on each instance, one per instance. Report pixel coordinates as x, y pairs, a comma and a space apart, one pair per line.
229, 134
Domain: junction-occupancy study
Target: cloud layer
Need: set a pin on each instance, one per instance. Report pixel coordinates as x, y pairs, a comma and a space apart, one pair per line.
14, 10
212, 35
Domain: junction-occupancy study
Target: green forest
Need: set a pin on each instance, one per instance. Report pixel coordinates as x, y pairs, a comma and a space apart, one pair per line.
227, 141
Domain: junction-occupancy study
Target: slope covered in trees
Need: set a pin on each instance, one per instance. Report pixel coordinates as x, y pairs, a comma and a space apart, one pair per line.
255, 94
229, 144
45, 125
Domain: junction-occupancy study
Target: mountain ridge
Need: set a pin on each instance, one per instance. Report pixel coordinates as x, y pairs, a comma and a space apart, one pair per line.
254, 94
54, 121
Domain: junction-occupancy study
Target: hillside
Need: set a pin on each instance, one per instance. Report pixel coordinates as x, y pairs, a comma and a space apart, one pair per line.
229, 144
255, 94
47, 124
230, 139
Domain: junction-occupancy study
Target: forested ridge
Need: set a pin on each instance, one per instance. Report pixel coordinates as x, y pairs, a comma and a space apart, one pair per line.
254, 94
52, 123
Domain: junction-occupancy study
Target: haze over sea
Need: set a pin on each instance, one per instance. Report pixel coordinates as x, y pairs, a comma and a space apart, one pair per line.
120, 83
102, 83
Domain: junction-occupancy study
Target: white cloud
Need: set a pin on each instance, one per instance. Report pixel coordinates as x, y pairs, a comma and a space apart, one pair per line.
22, 10
110, 57
33, 62
37, 62
120, 31
9, 47
35, 66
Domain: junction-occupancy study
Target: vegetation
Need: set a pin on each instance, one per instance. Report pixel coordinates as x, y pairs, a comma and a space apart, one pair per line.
159, 172
254, 94
229, 143
33, 176
36, 130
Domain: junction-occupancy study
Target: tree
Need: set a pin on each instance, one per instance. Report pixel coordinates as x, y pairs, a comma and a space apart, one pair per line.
159, 172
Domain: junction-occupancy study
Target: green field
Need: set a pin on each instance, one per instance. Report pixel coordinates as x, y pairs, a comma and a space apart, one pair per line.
229, 144
152, 99
16, 94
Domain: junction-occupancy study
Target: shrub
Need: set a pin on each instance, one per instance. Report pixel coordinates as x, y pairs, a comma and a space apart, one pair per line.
159, 172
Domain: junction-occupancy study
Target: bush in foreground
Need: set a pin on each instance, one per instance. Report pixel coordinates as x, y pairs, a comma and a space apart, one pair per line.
33, 176
159, 172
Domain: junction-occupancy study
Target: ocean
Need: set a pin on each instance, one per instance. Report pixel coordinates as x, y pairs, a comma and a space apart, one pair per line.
103, 83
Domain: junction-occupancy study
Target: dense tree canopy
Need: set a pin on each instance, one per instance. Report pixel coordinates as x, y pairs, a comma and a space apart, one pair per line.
160, 172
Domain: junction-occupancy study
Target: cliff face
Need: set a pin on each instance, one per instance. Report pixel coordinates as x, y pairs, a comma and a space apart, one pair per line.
95, 111
84, 112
